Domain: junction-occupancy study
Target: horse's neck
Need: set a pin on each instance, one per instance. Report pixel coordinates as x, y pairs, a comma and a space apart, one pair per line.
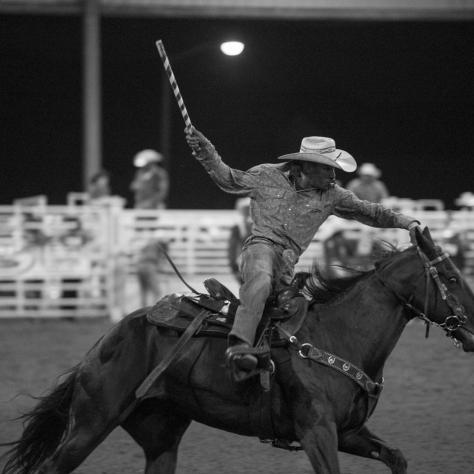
364, 324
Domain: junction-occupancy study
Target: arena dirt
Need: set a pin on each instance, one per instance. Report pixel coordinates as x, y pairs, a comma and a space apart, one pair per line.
426, 409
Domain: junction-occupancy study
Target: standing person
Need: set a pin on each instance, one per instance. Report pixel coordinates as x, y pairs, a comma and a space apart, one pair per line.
150, 267
151, 182
368, 186
238, 234
289, 202
99, 185
455, 242
99, 191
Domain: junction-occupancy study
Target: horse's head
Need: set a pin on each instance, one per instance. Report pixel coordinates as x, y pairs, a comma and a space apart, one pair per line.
428, 283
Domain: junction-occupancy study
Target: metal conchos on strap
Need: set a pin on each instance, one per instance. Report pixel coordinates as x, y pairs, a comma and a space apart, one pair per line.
308, 351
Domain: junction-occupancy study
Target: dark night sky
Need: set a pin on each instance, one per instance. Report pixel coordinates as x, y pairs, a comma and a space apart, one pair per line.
399, 94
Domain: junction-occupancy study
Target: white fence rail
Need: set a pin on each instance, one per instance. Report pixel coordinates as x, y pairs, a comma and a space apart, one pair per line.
73, 261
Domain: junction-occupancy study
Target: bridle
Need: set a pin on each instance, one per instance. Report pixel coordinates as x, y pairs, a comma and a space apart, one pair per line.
451, 322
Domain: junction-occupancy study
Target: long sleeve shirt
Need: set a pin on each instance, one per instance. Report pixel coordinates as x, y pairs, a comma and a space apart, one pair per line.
291, 217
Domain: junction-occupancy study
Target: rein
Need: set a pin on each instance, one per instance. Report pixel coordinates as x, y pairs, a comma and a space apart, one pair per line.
451, 322
173, 266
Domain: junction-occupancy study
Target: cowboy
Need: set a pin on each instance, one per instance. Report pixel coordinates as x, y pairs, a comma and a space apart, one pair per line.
151, 181
368, 185
289, 202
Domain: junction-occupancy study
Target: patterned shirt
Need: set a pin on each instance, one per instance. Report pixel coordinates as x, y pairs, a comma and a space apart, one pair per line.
287, 216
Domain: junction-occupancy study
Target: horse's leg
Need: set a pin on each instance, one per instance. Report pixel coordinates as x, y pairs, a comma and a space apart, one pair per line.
318, 436
158, 431
366, 444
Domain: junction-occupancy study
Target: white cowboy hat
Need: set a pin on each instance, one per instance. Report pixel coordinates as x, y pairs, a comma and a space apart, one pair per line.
144, 157
369, 169
322, 150
465, 199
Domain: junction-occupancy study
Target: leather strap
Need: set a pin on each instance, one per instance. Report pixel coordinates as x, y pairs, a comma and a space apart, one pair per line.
308, 351
331, 360
156, 373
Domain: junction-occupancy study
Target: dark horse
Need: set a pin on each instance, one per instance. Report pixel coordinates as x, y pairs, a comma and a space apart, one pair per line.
310, 403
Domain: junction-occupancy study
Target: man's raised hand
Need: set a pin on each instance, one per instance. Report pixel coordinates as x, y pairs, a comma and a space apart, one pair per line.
197, 141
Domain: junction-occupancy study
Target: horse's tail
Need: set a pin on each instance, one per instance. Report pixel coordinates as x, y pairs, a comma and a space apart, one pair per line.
43, 429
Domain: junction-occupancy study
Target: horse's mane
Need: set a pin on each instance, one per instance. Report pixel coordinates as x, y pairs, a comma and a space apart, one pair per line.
323, 288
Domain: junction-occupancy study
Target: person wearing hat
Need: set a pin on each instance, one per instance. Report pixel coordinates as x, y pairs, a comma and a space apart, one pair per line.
368, 186
238, 234
151, 182
288, 203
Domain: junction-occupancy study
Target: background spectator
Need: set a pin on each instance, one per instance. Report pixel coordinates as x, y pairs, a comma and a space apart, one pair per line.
454, 242
151, 182
465, 201
151, 260
368, 185
238, 233
99, 191
99, 185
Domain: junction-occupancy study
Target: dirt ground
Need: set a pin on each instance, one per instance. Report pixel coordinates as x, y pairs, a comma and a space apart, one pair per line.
426, 409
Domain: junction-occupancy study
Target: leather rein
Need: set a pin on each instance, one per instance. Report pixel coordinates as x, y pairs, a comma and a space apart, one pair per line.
451, 322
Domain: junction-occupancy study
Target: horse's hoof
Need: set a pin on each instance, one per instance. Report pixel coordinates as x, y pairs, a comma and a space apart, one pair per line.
396, 461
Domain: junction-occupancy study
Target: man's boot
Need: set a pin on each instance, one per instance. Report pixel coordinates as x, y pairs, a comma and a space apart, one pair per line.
237, 354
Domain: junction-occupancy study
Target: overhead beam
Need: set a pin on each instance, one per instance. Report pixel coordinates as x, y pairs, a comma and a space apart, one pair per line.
259, 9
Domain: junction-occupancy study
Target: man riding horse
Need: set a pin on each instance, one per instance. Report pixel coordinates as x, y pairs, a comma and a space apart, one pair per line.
289, 202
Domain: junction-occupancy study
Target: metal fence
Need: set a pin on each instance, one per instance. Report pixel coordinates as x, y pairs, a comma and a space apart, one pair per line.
76, 260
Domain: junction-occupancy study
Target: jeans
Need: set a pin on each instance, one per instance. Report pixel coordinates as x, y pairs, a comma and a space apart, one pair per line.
263, 267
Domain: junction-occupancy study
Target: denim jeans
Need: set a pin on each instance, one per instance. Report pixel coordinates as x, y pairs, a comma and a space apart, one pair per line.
263, 267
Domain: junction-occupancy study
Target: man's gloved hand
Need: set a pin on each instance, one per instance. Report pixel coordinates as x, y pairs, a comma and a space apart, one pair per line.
199, 144
412, 230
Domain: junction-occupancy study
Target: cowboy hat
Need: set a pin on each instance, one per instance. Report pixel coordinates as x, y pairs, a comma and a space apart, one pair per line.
144, 157
465, 199
322, 150
369, 169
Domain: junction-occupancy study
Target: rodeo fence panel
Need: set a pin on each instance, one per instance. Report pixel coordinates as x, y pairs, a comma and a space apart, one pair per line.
54, 261
76, 260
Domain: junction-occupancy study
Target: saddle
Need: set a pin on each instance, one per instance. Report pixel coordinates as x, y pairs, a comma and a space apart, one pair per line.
176, 311
216, 311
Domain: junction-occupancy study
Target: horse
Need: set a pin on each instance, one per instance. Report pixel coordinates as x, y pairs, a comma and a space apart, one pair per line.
309, 402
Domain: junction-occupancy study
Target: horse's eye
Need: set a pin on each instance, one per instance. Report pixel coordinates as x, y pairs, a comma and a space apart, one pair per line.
453, 280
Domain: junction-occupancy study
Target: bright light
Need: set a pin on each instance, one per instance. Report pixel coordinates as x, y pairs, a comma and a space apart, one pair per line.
232, 48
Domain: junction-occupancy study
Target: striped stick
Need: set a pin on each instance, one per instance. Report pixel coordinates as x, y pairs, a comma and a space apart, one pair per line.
174, 84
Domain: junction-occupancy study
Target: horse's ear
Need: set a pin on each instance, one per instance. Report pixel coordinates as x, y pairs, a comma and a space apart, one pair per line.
425, 242
418, 237
427, 234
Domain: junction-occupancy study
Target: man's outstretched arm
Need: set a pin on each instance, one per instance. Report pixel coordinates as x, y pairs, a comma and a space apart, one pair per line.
228, 179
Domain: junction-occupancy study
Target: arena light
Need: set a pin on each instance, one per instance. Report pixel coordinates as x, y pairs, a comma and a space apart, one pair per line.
232, 48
